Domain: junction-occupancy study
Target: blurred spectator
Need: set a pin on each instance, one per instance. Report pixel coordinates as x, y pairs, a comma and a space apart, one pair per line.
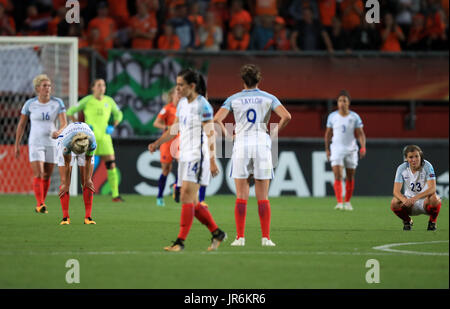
238, 38
118, 10
7, 24
8, 7
143, 27
239, 16
169, 39
105, 26
95, 41
60, 15
264, 7
404, 14
417, 37
183, 27
196, 19
297, 6
220, 9
210, 35
36, 23
391, 35
435, 27
366, 37
339, 39
280, 40
351, 13
327, 11
262, 32
309, 34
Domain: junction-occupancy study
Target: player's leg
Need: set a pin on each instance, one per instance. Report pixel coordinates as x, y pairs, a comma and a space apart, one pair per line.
37, 158
338, 171
105, 150
48, 171
261, 192
166, 167
402, 212
240, 209
349, 187
65, 171
432, 206
88, 194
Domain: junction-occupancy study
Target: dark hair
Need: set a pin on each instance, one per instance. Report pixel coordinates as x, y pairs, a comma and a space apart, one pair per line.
201, 86
250, 74
344, 93
95, 81
412, 148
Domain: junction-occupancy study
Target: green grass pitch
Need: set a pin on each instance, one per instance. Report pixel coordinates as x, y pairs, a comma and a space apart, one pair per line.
317, 246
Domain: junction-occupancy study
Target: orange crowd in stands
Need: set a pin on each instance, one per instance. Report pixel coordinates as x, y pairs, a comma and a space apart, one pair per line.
214, 25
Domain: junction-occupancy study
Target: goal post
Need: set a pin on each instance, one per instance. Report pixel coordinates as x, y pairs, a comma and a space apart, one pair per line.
21, 59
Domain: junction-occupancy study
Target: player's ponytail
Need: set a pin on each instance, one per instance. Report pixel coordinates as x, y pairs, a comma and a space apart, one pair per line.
201, 86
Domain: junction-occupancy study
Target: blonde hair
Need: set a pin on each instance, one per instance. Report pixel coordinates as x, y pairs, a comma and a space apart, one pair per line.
39, 79
79, 143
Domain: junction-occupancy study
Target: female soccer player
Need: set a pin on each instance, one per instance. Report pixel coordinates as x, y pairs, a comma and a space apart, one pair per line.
97, 109
252, 148
342, 126
168, 152
417, 177
42, 110
76, 143
197, 156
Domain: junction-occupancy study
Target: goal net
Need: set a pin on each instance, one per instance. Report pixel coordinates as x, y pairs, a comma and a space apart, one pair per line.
21, 59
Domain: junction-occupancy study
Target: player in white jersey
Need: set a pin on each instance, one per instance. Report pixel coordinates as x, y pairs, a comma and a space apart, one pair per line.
252, 155
76, 143
416, 176
197, 156
43, 111
342, 126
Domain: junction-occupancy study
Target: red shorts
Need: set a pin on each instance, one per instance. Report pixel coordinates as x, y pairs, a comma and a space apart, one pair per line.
170, 150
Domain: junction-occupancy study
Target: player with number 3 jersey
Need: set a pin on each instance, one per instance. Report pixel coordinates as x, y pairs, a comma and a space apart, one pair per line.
252, 155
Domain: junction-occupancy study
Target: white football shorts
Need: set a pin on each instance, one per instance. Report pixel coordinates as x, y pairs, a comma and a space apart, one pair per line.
42, 153
418, 208
346, 159
253, 160
191, 171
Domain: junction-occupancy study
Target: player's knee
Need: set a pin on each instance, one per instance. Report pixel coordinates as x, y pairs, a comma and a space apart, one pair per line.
434, 200
395, 204
166, 169
110, 164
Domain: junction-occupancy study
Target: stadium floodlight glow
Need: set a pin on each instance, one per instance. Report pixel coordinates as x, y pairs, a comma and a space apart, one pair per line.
22, 59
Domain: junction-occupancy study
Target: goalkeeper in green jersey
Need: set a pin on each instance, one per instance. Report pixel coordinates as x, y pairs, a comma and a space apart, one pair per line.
97, 109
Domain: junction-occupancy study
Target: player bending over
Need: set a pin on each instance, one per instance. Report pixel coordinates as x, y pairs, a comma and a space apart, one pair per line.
197, 157
417, 177
76, 143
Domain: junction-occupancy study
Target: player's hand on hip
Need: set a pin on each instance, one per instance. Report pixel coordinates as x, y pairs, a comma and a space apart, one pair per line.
63, 189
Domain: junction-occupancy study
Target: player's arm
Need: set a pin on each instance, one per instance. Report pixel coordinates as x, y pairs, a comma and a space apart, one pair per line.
62, 124
88, 168
362, 141
159, 123
431, 190
19, 133
77, 108
285, 117
219, 117
165, 137
327, 140
397, 192
117, 113
208, 127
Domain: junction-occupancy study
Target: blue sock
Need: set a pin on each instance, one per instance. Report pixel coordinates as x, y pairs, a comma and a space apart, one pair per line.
161, 185
201, 193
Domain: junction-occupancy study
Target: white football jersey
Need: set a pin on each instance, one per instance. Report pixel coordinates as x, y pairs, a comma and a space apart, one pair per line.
42, 117
70, 131
414, 183
344, 131
193, 140
251, 109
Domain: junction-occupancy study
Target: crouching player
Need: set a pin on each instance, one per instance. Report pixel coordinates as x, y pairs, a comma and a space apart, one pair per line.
76, 143
417, 176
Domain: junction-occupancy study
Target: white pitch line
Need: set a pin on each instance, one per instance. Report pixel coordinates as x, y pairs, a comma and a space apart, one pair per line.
388, 247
